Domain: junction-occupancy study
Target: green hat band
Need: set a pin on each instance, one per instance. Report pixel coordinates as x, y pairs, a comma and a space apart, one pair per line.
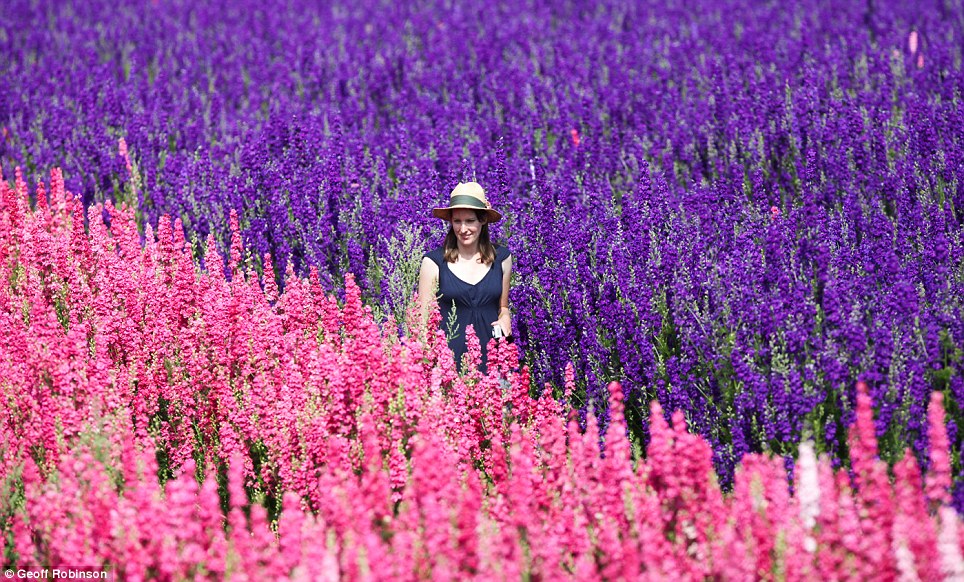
463, 200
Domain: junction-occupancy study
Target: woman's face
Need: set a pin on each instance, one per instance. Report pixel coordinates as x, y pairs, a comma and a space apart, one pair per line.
466, 226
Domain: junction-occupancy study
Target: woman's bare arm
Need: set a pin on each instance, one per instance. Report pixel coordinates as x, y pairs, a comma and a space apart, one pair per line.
505, 320
427, 283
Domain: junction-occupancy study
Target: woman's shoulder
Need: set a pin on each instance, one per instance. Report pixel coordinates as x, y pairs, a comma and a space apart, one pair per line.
502, 253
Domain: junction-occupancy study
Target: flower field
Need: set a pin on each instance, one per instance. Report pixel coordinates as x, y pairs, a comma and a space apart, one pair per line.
724, 216
295, 439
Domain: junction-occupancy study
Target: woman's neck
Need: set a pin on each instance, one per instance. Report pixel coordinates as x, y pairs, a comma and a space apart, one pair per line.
468, 252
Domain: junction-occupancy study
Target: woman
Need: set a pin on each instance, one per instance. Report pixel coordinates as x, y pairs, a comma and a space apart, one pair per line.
471, 273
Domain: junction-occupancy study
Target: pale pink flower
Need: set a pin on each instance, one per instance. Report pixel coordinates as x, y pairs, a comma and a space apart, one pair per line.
808, 488
952, 564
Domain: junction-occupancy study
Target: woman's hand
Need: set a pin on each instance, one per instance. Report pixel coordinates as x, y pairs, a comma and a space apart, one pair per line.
504, 321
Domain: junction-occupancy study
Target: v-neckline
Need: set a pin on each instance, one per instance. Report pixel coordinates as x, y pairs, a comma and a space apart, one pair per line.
476, 284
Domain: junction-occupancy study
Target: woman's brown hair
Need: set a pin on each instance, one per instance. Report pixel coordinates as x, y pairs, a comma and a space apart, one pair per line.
486, 250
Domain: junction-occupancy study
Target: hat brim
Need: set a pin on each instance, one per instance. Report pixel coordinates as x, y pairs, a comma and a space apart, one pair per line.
491, 214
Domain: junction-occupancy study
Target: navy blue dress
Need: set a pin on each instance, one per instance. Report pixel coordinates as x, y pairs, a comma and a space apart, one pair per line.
474, 304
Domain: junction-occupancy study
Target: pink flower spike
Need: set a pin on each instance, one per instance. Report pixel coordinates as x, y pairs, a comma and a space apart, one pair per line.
863, 440
125, 154
912, 39
938, 480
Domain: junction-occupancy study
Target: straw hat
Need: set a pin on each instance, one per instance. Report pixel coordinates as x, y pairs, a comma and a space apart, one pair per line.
468, 195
